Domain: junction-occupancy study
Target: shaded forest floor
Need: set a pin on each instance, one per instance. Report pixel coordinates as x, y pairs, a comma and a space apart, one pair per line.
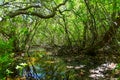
100, 66
87, 66
81, 66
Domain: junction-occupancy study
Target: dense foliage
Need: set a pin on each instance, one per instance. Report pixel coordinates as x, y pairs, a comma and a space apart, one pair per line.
69, 26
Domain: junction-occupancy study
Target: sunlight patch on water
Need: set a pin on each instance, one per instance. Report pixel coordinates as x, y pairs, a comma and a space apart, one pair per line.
98, 72
75, 67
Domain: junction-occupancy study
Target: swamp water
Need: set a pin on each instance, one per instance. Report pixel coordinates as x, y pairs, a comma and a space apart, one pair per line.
44, 66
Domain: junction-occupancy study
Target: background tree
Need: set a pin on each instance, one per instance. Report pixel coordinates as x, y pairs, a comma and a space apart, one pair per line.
74, 26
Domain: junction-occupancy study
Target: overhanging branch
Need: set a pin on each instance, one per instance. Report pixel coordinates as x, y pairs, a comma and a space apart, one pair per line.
12, 14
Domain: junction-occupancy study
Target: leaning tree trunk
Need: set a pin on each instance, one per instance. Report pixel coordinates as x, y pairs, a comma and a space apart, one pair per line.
107, 38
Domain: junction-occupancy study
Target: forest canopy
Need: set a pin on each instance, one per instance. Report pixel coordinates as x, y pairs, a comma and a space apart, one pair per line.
71, 27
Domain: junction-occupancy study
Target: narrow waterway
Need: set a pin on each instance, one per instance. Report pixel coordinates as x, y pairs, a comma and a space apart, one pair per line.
44, 66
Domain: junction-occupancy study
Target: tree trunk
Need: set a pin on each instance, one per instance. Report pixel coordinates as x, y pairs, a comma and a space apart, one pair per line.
107, 38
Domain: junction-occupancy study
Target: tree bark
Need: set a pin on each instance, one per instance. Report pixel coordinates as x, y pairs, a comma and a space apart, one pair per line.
107, 38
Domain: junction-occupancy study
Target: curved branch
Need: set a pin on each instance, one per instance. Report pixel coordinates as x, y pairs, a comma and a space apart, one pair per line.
13, 14
25, 11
